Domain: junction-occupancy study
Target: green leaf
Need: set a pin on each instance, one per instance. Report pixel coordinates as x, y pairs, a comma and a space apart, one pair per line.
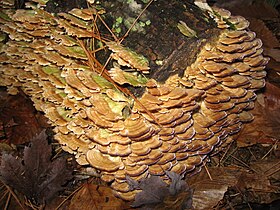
102, 82
50, 70
77, 50
115, 106
184, 29
64, 113
135, 80
4, 16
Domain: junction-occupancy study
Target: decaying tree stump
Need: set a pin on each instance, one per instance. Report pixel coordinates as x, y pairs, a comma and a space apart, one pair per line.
177, 87
161, 40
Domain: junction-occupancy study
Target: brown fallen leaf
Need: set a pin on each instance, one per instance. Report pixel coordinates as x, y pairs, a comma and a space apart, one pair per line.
95, 197
273, 53
268, 38
266, 125
273, 75
255, 182
249, 8
35, 175
156, 194
251, 192
85, 197
207, 192
20, 121
262, 185
269, 168
273, 66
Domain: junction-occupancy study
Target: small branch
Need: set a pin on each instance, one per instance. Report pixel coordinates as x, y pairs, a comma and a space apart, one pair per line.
246, 165
135, 21
7, 201
69, 196
11, 192
270, 149
274, 171
222, 158
207, 171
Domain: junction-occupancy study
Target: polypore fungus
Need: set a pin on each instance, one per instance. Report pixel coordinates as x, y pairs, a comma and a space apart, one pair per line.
197, 112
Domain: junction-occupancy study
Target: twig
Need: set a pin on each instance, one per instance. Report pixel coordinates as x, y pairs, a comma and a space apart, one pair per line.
273, 172
96, 50
32, 206
7, 201
252, 153
69, 196
4, 195
96, 29
243, 196
104, 23
104, 66
14, 195
230, 205
229, 146
235, 149
57, 153
207, 171
246, 165
270, 149
135, 21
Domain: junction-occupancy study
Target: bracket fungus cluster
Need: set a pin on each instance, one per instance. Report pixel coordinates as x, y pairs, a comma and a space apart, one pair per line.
173, 126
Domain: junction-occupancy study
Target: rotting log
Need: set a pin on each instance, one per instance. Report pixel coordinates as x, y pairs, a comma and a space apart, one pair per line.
176, 88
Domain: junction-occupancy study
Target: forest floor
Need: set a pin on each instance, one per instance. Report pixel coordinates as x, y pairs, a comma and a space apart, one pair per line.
246, 175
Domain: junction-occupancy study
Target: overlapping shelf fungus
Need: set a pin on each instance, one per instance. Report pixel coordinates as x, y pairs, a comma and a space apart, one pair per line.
173, 126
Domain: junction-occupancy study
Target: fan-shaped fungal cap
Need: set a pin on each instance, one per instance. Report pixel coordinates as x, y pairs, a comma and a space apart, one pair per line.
103, 162
135, 170
139, 148
115, 149
85, 14
189, 134
235, 81
135, 128
133, 59
120, 187
169, 116
179, 168
156, 170
73, 143
202, 120
98, 119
